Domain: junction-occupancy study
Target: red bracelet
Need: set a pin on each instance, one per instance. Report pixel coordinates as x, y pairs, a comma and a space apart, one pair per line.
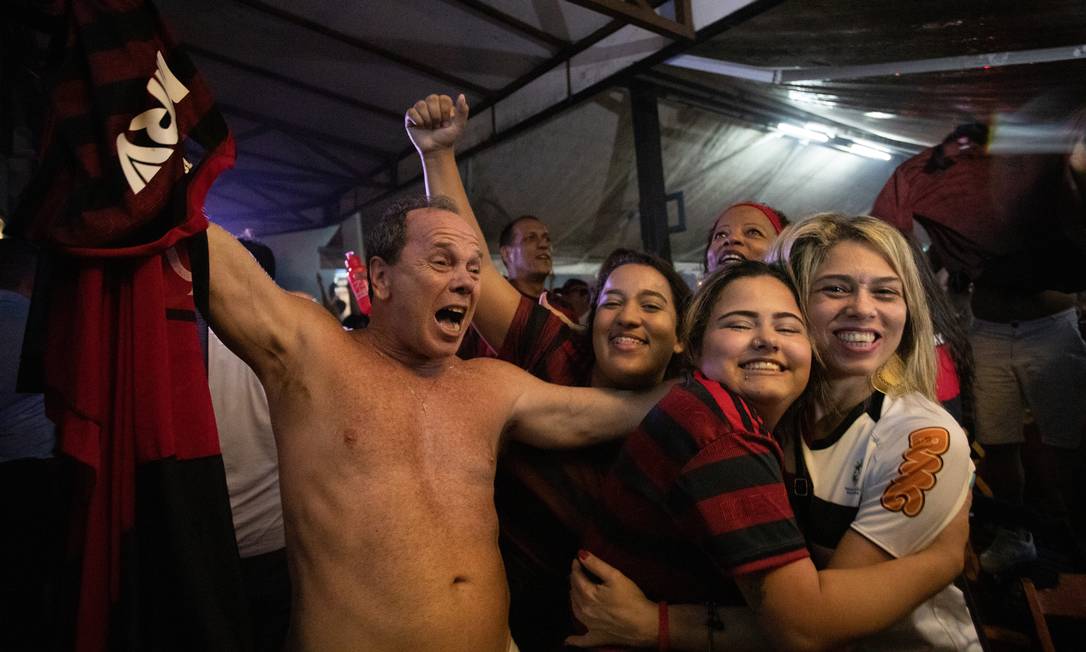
663, 638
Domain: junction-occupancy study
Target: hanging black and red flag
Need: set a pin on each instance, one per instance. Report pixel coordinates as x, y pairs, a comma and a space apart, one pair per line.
131, 145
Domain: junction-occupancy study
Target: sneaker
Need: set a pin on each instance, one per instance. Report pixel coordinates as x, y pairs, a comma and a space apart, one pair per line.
1008, 549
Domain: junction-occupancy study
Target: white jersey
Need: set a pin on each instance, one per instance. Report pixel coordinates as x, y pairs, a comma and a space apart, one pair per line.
248, 450
897, 470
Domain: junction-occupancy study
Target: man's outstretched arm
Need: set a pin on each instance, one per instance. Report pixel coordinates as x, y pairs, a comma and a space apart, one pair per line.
555, 416
435, 125
252, 315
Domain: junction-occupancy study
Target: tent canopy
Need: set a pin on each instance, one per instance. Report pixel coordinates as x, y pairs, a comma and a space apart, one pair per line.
315, 91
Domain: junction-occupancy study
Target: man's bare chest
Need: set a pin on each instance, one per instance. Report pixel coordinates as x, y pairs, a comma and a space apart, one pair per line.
389, 422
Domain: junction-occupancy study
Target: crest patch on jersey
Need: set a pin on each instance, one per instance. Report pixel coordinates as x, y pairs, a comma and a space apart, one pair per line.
916, 475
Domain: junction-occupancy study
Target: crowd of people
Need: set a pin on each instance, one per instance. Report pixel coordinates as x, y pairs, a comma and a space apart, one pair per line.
775, 459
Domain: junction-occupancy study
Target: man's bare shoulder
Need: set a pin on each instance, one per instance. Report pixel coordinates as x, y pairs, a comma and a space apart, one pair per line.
493, 379
492, 367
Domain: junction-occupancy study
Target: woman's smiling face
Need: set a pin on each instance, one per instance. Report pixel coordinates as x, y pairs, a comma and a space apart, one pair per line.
633, 332
756, 345
857, 311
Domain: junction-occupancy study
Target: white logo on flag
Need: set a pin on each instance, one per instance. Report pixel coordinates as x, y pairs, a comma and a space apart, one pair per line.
141, 164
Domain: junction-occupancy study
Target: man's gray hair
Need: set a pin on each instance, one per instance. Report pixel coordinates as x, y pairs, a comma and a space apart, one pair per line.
386, 236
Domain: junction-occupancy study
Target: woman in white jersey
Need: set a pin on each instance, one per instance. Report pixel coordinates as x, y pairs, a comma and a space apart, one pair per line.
881, 468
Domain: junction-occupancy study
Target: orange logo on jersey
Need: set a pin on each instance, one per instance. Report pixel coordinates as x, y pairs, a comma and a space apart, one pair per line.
917, 473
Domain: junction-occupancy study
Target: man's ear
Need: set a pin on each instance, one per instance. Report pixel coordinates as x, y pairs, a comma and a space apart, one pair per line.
380, 278
504, 253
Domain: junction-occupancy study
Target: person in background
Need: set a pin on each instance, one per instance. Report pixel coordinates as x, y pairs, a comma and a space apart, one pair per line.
525, 248
744, 231
1011, 231
953, 352
34, 484
252, 478
578, 295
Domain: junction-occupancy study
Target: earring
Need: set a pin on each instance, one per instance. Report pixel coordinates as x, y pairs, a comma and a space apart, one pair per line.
890, 375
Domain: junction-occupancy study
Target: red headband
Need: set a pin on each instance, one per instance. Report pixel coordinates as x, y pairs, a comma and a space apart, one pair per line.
769, 213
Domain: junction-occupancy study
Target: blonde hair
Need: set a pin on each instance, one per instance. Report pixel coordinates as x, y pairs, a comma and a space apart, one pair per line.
804, 246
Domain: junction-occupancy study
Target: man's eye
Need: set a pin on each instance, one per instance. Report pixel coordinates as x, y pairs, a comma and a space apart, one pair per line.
755, 233
610, 304
719, 235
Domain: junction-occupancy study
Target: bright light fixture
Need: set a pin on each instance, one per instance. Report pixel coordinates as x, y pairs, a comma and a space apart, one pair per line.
821, 128
796, 131
867, 152
872, 145
879, 115
818, 99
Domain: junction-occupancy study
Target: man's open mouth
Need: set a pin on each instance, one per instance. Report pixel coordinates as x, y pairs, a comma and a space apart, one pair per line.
451, 317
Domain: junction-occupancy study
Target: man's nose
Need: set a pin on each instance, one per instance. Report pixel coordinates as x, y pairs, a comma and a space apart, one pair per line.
463, 281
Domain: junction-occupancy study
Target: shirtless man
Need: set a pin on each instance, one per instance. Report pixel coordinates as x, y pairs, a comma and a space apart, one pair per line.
387, 442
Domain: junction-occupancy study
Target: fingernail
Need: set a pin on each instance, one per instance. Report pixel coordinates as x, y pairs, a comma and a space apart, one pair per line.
583, 554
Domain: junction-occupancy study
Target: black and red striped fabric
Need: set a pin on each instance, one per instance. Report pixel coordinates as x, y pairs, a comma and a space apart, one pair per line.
115, 201
696, 498
545, 499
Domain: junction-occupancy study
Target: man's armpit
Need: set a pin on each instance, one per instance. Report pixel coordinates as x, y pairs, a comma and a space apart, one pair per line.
752, 586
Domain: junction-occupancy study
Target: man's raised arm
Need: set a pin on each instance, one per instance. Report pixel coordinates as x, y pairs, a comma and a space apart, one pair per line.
254, 317
435, 126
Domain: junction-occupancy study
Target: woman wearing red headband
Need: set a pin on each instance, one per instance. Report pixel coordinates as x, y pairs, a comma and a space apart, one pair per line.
743, 231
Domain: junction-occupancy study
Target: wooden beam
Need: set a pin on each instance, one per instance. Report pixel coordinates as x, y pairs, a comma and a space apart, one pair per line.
642, 14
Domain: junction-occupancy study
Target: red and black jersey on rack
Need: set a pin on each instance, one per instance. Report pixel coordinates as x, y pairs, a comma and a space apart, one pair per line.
131, 145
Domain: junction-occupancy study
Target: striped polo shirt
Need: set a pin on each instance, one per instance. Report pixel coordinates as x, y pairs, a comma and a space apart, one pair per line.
545, 498
696, 498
